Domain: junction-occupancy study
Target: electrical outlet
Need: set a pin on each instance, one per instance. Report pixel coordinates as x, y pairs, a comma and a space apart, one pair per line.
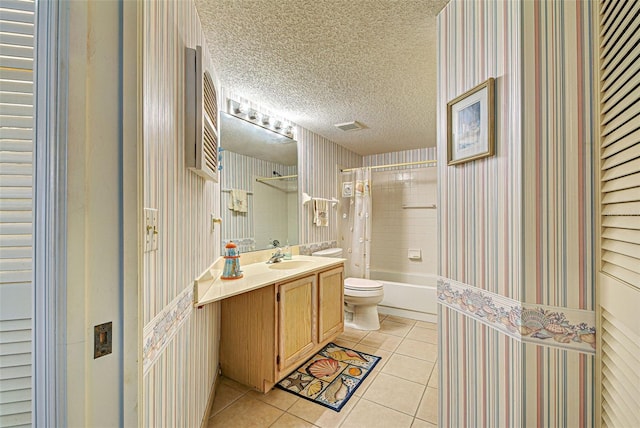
102, 340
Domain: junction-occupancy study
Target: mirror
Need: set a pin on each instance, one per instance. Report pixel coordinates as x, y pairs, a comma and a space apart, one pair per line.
264, 165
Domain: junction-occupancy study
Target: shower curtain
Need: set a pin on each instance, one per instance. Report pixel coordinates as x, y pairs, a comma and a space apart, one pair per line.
356, 185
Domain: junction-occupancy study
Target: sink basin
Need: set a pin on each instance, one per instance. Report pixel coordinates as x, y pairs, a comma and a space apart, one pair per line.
290, 264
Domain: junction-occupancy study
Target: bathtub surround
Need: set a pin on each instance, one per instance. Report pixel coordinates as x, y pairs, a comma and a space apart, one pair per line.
404, 217
519, 225
408, 295
181, 343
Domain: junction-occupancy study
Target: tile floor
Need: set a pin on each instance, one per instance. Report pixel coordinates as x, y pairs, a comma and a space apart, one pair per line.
402, 391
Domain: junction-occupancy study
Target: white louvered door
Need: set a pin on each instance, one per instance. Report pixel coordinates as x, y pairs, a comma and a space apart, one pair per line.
619, 268
16, 158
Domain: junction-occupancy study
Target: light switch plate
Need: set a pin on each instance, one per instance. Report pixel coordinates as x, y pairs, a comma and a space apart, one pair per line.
102, 340
150, 229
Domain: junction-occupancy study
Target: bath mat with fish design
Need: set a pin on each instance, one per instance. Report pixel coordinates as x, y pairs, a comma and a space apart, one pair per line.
331, 376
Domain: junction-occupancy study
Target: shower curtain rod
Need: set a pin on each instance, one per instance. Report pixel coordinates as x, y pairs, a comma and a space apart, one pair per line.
282, 177
394, 165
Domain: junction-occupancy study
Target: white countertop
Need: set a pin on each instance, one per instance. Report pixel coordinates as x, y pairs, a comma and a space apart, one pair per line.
256, 275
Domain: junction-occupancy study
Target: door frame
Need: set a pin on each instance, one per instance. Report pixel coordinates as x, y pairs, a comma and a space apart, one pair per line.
49, 216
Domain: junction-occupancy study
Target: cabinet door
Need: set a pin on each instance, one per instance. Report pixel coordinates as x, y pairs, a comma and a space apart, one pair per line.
297, 320
331, 304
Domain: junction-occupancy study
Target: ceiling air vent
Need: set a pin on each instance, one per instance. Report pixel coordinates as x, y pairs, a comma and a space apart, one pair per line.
350, 126
201, 117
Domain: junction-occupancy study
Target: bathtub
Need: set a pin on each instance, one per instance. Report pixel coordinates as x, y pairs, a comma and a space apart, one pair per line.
408, 295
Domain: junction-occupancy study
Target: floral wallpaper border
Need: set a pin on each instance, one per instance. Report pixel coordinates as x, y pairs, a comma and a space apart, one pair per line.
161, 329
542, 325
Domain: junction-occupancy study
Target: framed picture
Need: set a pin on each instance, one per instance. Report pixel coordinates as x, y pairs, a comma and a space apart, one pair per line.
470, 124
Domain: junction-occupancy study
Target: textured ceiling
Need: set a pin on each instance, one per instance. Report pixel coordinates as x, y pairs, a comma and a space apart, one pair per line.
324, 62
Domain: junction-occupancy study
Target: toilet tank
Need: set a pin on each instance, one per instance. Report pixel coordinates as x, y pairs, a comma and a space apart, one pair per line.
329, 252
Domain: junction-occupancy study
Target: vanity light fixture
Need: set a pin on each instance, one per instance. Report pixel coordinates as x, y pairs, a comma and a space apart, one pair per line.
277, 125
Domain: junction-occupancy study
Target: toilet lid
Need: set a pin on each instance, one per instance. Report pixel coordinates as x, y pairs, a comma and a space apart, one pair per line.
362, 284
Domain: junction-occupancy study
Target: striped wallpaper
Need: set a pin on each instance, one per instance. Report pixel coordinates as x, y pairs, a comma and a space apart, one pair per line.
559, 140
518, 224
479, 202
178, 381
319, 163
559, 152
479, 374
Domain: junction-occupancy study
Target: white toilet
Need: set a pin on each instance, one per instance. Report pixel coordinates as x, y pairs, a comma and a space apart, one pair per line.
361, 297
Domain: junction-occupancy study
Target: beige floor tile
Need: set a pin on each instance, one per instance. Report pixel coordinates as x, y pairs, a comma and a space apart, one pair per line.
400, 320
321, 416
428, 409
290, 421
433, 380
396, 393
345, 343
417, 349
382, 341
353, 335
247, 413
381, 317
425, 324
276, 397
225, 395
365, 384
419, 423
370, 415
394, 328
424, 335
409, 368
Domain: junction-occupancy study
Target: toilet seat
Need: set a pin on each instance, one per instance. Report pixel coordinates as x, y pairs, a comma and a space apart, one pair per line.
360, 287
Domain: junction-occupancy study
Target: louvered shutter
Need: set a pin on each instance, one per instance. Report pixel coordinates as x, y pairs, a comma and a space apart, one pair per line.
619, 278
16, 154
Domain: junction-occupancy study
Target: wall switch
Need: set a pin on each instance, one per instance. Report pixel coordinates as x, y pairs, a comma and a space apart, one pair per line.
150, 229
102, 340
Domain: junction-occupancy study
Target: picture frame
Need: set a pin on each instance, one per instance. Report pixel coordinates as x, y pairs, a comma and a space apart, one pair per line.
471, 124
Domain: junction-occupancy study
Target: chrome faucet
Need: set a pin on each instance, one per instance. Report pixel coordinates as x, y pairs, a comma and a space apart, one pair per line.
276, 257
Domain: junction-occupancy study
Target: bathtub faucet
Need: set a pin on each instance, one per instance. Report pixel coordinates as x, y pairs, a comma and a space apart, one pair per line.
276, 257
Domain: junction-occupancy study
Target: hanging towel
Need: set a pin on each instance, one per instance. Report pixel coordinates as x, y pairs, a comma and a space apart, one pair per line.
238, 200
320, 213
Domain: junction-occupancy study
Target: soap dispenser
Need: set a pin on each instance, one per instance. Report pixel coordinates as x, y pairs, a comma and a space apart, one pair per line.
287, 251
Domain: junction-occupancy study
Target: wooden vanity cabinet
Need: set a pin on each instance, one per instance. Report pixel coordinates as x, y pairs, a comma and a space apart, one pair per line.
267, 332
331, 316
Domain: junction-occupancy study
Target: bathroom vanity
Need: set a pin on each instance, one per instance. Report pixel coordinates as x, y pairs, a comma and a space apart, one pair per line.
276, 317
